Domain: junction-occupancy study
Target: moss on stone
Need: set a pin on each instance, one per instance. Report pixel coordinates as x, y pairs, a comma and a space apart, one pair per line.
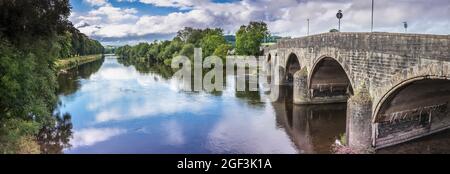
362, 95
301, 72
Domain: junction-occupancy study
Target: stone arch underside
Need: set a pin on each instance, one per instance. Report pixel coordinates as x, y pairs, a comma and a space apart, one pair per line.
412, 110
292, 66
328, 79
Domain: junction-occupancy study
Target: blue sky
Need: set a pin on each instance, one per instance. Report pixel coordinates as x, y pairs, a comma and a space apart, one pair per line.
118, 22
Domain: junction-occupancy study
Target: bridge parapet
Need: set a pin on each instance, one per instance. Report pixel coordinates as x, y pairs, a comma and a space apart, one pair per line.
434, 46
375, 57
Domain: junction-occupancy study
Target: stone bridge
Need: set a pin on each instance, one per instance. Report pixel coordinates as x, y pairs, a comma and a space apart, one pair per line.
397, 86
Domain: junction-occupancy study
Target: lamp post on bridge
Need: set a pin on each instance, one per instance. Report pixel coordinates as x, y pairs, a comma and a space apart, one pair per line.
308, 26
339, 15
371, 25
405, 24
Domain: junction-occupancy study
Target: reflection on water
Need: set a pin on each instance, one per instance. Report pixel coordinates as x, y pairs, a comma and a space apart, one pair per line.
135, 107
69, 82
54, 139
313, 128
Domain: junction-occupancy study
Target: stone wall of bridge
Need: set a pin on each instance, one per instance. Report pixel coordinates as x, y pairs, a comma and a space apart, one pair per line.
379, 63
371, 57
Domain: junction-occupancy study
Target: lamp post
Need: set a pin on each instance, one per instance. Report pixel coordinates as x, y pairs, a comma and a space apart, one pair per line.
339, 15
308, 26
371, 25
405, 24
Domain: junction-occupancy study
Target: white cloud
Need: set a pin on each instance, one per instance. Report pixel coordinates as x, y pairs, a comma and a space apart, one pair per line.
174, 133
91, 136
156, 95
96, 2
284, 17
114, 14
184, 4
238, 133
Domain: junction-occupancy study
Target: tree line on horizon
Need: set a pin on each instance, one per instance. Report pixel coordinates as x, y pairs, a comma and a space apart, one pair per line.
212, 41
74, 43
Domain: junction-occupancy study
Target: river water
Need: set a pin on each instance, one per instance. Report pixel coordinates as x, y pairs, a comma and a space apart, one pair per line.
123, 107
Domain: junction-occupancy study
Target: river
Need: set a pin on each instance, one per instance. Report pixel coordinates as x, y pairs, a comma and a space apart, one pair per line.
123, 107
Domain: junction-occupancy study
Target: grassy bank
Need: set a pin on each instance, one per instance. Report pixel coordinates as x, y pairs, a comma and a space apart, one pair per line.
69, 63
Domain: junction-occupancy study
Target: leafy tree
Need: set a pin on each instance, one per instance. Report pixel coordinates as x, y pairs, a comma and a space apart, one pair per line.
249, 38
211, 42
33, 34
188, 50
182, 44
334, 30
222, 50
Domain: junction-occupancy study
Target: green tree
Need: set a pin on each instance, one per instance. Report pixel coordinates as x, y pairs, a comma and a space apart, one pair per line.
334, 30
249, 38
33, 34
222, 51
211, 42
188, 50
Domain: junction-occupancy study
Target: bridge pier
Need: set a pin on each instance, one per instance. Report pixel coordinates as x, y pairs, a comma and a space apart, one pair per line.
301, 95
278, 93
359, 122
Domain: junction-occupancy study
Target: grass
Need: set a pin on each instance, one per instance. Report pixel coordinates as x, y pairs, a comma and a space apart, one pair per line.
69, 63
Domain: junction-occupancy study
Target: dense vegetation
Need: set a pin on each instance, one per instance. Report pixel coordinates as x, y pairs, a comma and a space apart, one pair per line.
74, 43
249, 38
212, 42
33, 34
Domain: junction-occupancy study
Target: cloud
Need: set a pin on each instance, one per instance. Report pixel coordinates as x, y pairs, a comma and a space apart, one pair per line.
96, 2
237, 133
184, 4
156, 95
174, 133
91, 136
284, 17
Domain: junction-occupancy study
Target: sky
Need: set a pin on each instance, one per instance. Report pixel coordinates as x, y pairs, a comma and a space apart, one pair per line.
119, 22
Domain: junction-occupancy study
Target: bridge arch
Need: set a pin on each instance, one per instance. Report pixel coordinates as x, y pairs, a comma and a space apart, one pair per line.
431, 80
413, 108
269, 64
269, 57
328, 78
292, 66
269, 67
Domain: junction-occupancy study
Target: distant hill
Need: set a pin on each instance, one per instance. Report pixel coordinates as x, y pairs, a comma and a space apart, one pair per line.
110, 49
271, 39
231, 39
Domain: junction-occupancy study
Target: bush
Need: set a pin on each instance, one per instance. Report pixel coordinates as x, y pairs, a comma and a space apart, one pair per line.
168, 62
17, 136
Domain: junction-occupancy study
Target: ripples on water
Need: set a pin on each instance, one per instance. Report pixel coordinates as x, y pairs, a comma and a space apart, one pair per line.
121, 108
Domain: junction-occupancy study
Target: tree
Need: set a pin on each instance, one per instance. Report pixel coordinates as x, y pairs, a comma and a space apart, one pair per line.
222, 51
190, 35
188, 50
249, 38
334, 30
182, 44
23, 21
33, 34
211, 42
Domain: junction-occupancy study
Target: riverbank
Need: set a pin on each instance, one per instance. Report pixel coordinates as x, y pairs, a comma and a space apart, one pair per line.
69, 63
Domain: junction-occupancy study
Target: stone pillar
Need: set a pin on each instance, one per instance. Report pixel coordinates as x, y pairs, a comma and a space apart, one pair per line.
277, 88
277, 93
301, 87
359, 122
